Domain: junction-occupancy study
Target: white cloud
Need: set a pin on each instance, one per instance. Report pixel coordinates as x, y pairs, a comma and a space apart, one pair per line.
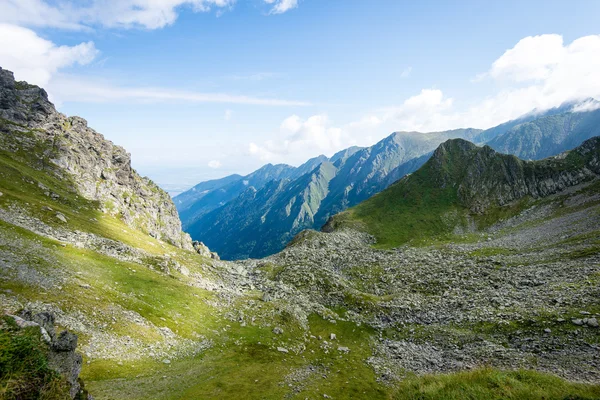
539, 72
73, 88
35, 59
406, 72
300, 137
149, 14
281, 6
532, 58
215, 164
39, 61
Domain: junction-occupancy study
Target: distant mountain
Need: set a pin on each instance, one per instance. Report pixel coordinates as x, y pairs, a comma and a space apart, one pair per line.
188, 198
306, 197
262, 219
548, 135
490, 134
465, 187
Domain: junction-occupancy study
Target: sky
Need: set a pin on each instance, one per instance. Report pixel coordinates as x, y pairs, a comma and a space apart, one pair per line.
200, 89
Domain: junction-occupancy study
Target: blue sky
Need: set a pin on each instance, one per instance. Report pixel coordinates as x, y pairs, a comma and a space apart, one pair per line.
200, 89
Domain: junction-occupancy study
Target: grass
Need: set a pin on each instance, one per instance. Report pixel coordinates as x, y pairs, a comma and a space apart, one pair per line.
24, 370
493, 384
437, 201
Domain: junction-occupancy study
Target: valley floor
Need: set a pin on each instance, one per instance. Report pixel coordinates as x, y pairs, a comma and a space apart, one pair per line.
329, 317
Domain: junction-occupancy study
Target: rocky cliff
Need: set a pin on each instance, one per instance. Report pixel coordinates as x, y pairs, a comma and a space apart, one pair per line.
98, 169
485, 178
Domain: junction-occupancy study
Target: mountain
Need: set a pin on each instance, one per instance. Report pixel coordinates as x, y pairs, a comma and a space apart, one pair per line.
567, 107
459, 187
362, 172
34, 133
261, 220
186, 199
506, 308
548, 135
207, 196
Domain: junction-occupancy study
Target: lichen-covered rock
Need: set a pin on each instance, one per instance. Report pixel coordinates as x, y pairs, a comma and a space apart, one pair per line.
98, 169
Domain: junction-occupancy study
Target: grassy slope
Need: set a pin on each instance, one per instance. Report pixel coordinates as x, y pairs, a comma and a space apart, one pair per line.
492, 384
425, 206
24, 371
241, 354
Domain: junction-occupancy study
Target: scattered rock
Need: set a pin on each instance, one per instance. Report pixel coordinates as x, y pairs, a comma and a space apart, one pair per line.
61, 217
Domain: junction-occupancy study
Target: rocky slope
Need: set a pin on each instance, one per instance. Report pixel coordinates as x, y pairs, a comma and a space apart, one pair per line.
32, 129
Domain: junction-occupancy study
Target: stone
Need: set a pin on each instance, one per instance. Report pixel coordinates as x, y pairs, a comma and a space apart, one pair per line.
66, 341
577, 322
277, 330
61, 217
332, 336
266, 297
592, 322
343, 349
548, 330
282, 350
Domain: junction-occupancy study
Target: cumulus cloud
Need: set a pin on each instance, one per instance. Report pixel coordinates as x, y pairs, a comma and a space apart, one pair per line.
40, 61
149, 14
281, 6
541, 72
215, 164
538, 73
300, 137
35, 59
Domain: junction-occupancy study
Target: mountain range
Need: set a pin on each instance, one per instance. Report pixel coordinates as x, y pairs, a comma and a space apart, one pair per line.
257, 215
475, 276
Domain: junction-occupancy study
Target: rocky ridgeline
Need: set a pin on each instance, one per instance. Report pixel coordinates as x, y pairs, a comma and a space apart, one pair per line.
99, 170
487, 178
62, 354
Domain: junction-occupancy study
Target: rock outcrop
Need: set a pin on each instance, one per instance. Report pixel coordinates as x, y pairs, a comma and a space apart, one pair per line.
98, 169
485, 178
62, 355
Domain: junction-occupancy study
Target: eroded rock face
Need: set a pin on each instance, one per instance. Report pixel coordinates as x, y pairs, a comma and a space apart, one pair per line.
98, 169
486, 178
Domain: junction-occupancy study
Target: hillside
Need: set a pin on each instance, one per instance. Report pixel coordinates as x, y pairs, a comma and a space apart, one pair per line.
463, 188
208, 196
65, 148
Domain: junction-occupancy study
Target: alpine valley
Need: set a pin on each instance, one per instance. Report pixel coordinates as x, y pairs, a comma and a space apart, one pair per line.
257, 215
452, 265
